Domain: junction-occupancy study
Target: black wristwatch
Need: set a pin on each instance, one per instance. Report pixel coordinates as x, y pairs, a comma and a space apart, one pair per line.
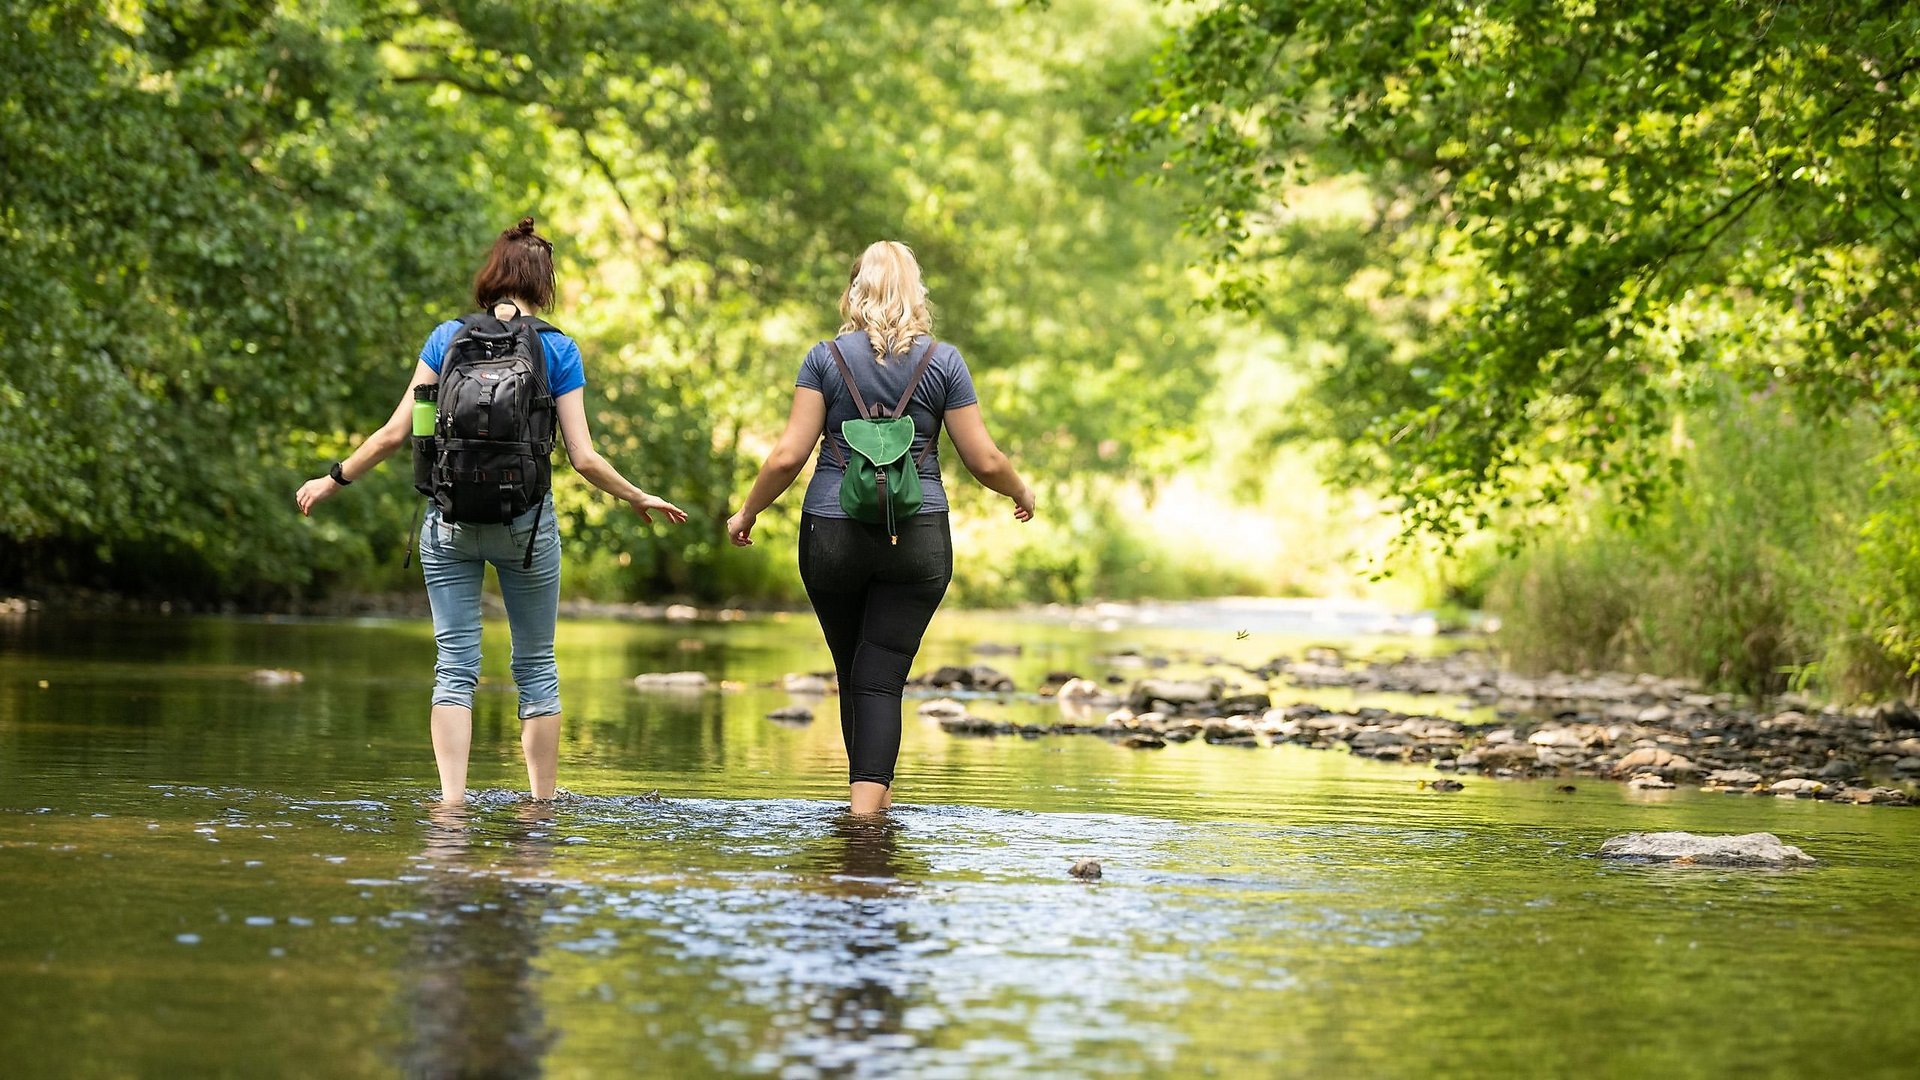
338, 476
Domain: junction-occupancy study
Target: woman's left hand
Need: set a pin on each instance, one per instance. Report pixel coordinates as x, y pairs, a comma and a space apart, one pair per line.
645, 504
740, 529
314, 492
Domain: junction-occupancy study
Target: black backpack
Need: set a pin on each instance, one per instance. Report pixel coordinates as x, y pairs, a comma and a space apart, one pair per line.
489, 458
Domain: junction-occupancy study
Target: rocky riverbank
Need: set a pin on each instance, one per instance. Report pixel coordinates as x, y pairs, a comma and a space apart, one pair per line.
1646, 731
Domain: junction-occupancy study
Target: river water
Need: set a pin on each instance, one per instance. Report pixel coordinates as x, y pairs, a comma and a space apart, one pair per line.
205, 876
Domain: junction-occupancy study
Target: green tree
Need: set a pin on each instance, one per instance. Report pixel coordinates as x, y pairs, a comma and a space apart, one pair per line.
230, 225
1590, 211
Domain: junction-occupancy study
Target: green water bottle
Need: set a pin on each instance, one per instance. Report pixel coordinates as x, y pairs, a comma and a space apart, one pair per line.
426, 405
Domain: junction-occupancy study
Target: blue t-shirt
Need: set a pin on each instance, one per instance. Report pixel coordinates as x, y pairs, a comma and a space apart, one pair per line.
947, 385
565, 372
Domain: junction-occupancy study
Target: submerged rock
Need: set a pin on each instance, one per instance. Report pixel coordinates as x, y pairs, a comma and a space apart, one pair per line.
940, 708
966, 724
276, 677
978, 678
791, 714
1085, 869
1750, 849
800, 682
671, 680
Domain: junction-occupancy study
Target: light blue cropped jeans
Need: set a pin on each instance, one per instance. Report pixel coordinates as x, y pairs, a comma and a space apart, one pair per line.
455, 558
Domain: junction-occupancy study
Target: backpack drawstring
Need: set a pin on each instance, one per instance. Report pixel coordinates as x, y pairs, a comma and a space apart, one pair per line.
880, 488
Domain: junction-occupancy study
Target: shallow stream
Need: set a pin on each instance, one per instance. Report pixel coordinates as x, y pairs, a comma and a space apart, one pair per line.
202, 875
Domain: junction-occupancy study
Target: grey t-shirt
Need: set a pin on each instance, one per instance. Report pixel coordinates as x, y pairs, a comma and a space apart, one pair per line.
947, 385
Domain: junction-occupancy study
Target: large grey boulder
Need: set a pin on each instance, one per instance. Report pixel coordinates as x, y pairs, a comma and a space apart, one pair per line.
1749, 849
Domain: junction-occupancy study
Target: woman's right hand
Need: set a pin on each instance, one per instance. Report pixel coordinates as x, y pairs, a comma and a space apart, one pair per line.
1023, 504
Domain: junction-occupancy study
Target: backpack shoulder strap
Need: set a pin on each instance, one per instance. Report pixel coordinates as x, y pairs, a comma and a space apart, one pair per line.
846, 376
534, 327
919, 372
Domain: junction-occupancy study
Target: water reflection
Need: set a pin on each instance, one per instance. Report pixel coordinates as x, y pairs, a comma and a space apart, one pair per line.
472, 998
858, 1014
863, 856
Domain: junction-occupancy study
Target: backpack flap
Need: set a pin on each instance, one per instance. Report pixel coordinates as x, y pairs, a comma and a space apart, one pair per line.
881, 442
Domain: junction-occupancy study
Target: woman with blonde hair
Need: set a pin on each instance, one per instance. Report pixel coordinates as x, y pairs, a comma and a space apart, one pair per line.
875, 582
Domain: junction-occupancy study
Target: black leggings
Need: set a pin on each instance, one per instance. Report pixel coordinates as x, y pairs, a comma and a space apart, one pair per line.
874, 600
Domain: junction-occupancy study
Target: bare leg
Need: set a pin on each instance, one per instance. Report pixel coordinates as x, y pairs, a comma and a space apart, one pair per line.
540, 739
452, 738
867, 797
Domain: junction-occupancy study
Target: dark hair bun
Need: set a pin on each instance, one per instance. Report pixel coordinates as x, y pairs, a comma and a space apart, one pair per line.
525, 228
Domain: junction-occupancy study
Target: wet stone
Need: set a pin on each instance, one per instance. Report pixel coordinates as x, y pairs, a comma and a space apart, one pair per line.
1175, 692
1750, 849
1799, 788
791, 714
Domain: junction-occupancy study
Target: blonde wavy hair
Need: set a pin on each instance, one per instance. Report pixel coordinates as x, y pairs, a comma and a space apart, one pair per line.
886, 298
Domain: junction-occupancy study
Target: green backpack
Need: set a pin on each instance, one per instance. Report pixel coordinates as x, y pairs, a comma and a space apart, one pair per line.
881, 484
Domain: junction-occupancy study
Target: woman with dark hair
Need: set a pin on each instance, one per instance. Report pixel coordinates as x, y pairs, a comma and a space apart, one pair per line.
875, 585
511, 524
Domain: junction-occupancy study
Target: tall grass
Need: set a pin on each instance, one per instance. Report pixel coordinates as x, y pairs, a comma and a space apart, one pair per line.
1749, 575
